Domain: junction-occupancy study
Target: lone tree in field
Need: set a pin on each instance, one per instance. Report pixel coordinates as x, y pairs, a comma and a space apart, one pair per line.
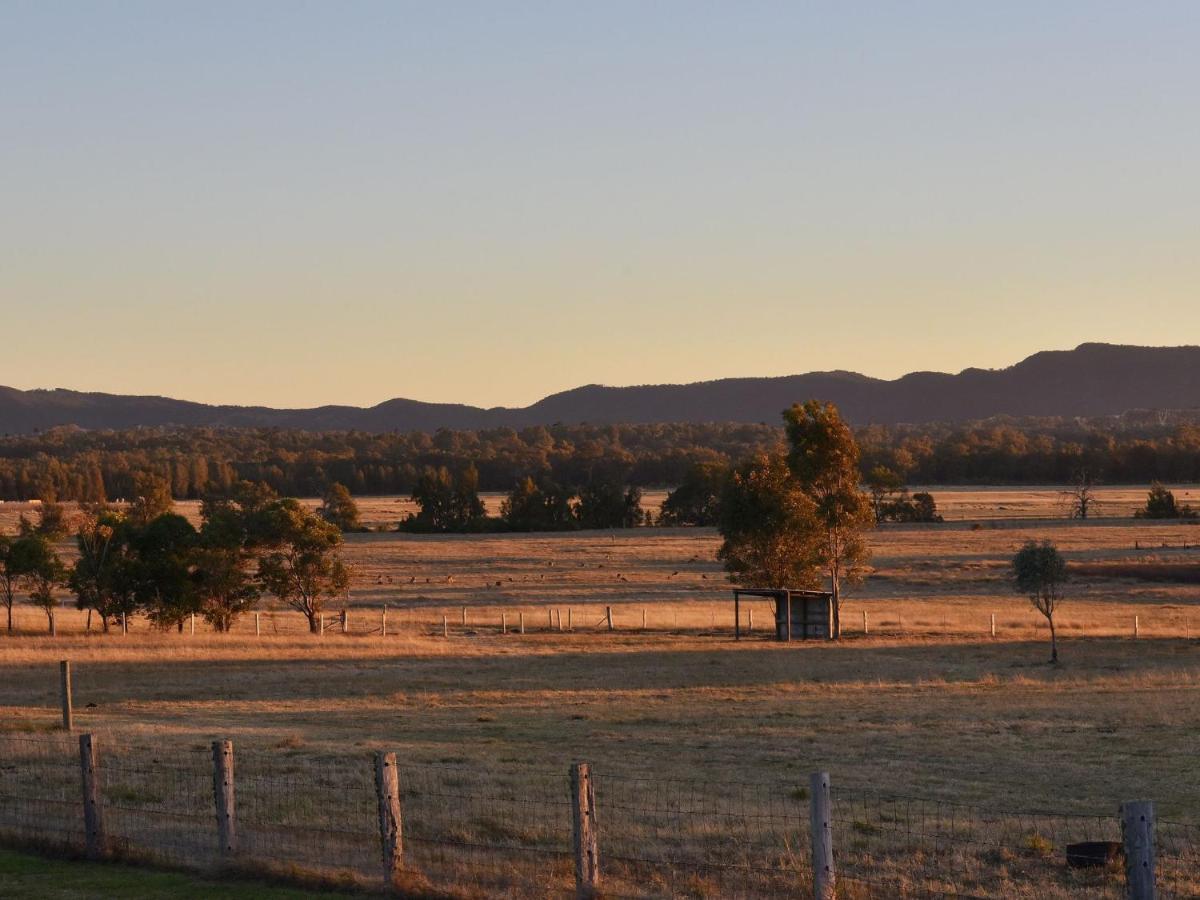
9, 575
823, 459
1040, 572
1081, 495
1161, 504
338, 508
40, 571
772, 536
300, 563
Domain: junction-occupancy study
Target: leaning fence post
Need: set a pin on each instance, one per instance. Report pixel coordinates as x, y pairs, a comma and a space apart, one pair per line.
223, 796
93, 812
1137, 832
608, 617
64, 673
820, 813
387, 793
584, 839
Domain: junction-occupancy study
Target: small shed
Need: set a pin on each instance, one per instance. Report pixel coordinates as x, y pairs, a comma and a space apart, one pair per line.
798, 614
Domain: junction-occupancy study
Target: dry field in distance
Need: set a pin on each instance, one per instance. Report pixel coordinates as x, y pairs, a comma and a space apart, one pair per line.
927, 703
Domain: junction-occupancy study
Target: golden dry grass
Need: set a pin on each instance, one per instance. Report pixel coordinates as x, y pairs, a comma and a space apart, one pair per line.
927, 704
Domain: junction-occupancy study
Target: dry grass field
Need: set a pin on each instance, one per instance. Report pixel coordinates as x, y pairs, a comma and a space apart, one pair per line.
927, 703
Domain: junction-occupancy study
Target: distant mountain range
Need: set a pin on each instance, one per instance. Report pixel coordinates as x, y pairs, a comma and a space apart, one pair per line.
1091, 380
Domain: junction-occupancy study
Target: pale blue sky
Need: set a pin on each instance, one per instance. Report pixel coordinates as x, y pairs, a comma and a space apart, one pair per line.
304, 203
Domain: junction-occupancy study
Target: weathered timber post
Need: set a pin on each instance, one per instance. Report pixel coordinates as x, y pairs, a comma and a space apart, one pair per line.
383, 622
993, 624
445, 626
224, 800
64, 685
504, 623
643, 618
391, 838
608, 617
1137, 832
321, 624
464, 616
257, 625
1137, 631
93, 813
521, 622
584, 839
192, 624
866, 624
750, 620
124, 624
550, 616
820, 813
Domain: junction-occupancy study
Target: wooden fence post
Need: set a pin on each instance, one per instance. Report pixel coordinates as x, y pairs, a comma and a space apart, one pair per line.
445, 626
464, 616
1137, 832
224, 799
64, 683
643, 618
391, 836
504, 623
383, 622
866, 625
124, 624
1137, 631
584, 840
93, 812
993, 624
192, 624
521, 622
608, 617
257, 625
820, 813
750, 620
322, 624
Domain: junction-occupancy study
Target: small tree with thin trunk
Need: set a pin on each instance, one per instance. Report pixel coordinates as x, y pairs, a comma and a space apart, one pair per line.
8, 577
40, 571
1040, 573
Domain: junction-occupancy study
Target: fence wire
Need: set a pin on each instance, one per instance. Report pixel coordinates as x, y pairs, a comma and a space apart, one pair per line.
507, 831
40, 791
673, 837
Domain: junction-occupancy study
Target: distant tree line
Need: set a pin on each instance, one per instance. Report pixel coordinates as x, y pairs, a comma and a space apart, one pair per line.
98, 466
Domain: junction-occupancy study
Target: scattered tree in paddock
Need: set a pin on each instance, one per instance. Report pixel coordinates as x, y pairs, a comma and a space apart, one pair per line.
1040, 573
448, 502
40, 572
339, 509
609, 504
151, 498
882, 483
823, 458
103, 578
299, 560
1161, 504
697, 499
1082, 494
772, 535
534, 506
164, 552
52, 522
9, 577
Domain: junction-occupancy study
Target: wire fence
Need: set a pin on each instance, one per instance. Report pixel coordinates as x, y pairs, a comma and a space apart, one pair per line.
523, 832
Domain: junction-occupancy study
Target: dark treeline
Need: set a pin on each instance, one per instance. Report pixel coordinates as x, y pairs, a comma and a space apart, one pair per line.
72, 464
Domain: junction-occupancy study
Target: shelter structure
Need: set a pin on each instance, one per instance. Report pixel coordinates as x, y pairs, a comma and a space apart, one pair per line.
799, 615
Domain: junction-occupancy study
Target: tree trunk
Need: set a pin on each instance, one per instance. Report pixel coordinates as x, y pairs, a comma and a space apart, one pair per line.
50, 622
1053, 641
313, 625
10, 618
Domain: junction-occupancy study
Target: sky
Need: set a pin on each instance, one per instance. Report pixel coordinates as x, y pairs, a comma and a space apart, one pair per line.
305, 203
